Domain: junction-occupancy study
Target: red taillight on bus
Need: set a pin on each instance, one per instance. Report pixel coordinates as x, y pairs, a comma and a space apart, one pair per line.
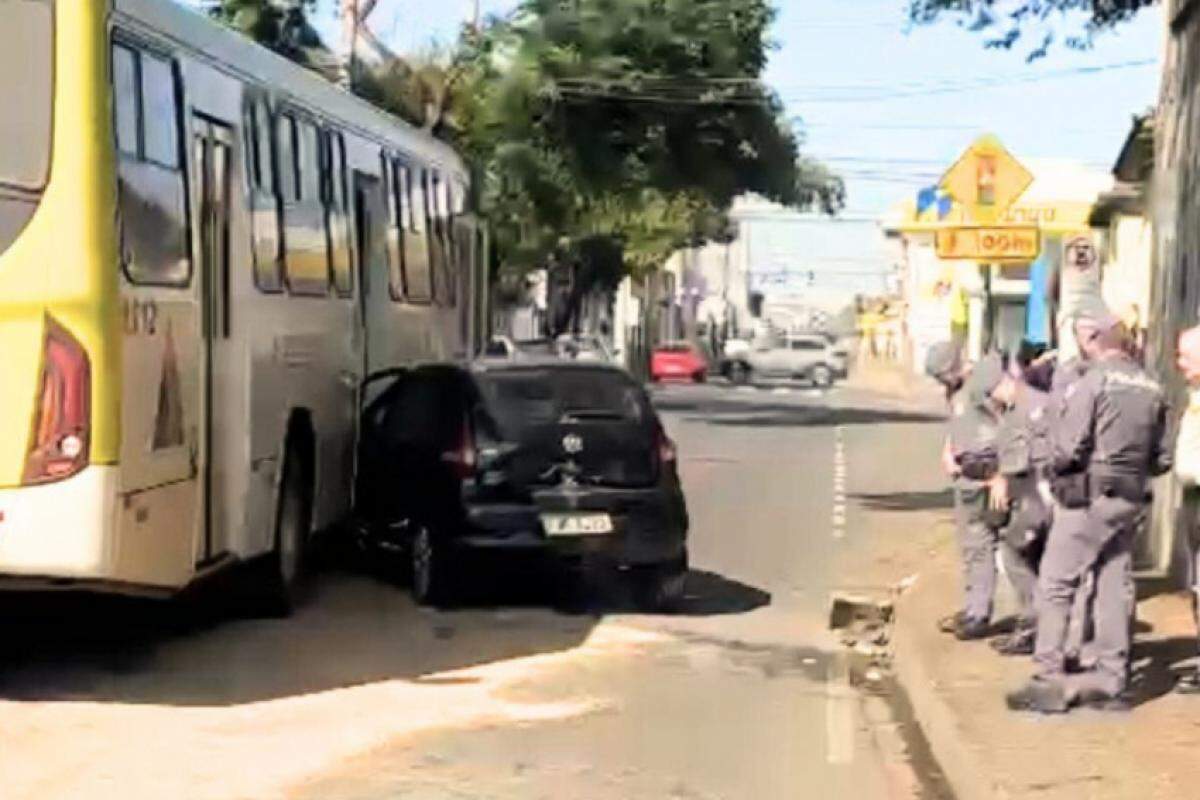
62, 416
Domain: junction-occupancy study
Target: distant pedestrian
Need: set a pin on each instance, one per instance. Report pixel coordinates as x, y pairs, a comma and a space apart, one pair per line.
1187, 471
1109, 440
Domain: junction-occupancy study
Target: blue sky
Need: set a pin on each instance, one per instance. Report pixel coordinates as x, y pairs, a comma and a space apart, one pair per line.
891, 109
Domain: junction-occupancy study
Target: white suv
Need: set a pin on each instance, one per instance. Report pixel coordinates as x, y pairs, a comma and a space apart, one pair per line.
809, 358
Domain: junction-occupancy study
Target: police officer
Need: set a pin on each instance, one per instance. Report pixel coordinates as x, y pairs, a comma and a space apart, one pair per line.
1187, 472
979, 513
1109, 439
944, 363
1024, 450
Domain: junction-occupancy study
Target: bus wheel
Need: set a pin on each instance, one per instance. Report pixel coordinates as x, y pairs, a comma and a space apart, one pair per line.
293, 521
430, 568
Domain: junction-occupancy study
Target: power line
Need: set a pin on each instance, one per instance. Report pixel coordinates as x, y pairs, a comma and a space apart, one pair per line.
724, 91
973, 86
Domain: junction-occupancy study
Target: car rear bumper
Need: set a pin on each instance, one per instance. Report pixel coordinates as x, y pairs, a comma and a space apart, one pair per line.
649, 525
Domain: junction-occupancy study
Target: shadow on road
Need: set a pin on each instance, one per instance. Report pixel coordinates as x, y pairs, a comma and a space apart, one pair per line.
907, 501
1157, 666
354, 630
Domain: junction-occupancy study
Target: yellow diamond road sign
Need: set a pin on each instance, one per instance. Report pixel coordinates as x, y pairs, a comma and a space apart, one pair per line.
986, 180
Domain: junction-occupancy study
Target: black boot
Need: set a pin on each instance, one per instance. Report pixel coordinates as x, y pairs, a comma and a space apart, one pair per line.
1017, 643
970, 629
1189, 682
1042, 697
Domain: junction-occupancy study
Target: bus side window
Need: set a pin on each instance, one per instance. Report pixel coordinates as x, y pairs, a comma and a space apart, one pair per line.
289, 168
337, 213
433, 230
153, 205
306, 260
395, 229
263, 204
453, 257
417, 275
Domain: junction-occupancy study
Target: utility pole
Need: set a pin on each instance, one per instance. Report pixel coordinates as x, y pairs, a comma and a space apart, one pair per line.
354, 15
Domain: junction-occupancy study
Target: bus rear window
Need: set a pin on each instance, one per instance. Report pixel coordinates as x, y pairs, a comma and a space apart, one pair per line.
26, 36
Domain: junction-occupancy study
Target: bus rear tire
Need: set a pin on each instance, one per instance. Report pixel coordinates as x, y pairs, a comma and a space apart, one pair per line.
288, 562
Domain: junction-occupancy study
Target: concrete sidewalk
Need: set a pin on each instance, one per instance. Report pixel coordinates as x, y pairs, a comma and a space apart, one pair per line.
957, 689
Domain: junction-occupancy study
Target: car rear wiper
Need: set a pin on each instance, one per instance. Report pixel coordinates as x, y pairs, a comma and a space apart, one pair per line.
590, 413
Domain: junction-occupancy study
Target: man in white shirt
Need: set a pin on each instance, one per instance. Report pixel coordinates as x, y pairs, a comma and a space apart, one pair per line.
1187, 471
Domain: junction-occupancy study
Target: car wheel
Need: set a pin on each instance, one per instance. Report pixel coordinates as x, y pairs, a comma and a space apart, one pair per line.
699, 377
822, 376
739, 373
430, 568
292, 526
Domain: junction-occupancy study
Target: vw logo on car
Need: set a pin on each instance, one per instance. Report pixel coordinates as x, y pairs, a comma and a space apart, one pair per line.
572, 444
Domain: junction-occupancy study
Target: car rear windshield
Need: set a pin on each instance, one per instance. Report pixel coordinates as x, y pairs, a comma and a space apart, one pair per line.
26, 81
518, 399
675, 348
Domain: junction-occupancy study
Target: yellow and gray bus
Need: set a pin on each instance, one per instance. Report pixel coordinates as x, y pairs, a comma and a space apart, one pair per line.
204, 248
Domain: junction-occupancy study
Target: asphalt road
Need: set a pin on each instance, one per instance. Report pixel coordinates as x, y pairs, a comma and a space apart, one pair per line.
362, 695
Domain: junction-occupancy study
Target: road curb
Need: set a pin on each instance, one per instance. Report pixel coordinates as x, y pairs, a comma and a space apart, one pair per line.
958, 761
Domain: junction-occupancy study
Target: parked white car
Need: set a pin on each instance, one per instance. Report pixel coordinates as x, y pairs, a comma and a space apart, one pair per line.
810, 358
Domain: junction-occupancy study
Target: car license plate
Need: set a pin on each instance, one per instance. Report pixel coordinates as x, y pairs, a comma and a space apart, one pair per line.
576, 524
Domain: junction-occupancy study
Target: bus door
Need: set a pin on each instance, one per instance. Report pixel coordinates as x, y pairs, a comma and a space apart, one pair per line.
213, 143
375, 301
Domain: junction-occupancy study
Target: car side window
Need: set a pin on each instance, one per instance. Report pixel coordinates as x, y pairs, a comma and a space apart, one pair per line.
423, 417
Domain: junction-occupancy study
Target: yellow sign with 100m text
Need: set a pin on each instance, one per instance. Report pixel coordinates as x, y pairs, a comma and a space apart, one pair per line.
988, 244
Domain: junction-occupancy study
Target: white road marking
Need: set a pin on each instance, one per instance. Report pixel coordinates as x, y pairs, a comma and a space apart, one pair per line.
839, 484
839, 713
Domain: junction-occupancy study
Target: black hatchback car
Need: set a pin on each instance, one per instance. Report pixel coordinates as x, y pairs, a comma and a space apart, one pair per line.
564, 457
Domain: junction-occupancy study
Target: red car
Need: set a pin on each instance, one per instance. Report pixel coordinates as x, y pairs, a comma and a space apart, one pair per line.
678, 361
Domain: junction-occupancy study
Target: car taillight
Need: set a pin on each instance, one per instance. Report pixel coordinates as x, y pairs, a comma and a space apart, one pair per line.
666, 448
464, 458
62, 421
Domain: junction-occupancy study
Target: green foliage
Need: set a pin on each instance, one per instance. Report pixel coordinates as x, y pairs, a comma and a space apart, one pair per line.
283, 27
1005, 23
601, 132
638, 120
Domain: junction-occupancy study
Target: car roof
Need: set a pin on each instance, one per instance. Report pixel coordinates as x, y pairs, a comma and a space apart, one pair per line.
491, 365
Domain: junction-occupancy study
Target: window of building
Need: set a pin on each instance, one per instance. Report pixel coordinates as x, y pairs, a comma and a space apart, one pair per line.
153, 203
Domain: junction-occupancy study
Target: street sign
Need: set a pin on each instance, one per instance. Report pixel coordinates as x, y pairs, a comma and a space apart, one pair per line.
989, 244
986, 180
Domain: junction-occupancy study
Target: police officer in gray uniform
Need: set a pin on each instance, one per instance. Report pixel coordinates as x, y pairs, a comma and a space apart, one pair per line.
1024, 448
974, 444
1109, 439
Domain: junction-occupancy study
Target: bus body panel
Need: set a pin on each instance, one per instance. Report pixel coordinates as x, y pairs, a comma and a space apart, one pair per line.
65, 270
60, 530
154, 509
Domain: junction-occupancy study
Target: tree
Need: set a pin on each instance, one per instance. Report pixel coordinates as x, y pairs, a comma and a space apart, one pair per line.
1006, 23
635, 120
281, 25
